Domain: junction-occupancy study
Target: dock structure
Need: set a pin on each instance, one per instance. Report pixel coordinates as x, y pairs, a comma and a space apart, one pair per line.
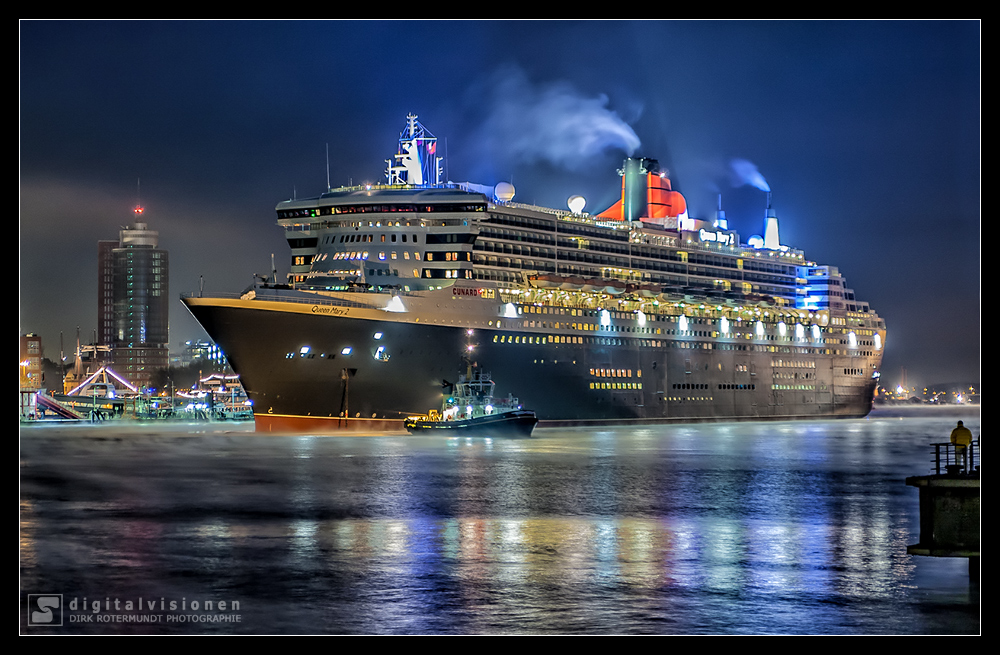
949, 506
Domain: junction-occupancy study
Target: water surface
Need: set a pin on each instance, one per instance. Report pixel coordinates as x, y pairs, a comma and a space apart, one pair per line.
730, 528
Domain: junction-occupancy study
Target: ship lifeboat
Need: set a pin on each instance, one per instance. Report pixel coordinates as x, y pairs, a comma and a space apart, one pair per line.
591, 284
572, 283
614, 287
648, 290
544, 281
669, 293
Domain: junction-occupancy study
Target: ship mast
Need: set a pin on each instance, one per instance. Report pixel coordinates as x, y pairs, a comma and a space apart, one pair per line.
416, 161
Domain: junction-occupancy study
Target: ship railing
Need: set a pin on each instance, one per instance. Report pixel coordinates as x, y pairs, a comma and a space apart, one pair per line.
397, 186
954, 459
316, 300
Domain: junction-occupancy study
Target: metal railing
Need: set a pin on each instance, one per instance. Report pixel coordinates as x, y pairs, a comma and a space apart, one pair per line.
953, 459
314, 299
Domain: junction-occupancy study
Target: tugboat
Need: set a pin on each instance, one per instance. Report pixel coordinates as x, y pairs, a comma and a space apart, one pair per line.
471, 410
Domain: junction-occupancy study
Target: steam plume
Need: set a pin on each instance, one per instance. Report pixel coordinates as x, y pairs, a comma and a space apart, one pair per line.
744, 172
553, 122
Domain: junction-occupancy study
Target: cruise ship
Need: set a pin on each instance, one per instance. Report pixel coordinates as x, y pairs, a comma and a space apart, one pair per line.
638, 314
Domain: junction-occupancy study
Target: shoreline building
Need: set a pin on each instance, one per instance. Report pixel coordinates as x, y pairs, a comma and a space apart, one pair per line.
31, 362
133, 302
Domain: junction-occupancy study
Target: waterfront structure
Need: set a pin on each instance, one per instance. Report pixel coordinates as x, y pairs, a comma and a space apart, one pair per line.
203, 352
30, 362
640, 313
133, 301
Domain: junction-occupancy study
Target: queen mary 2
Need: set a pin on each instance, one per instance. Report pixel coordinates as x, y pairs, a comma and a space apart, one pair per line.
638, 314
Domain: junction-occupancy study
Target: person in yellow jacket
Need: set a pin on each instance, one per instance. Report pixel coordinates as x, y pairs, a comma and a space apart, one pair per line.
961, 437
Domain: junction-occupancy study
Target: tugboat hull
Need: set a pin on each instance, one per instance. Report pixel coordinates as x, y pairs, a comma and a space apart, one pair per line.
518, 423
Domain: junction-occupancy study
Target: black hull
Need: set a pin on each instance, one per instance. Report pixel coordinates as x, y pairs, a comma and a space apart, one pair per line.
620, 381
509, 424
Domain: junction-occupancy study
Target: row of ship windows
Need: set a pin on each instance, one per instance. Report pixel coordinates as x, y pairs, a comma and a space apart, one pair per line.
617, 235
798, 387
320, 226
636, 250
428, 273
509, 277
668, 331
362, 255
627, 373
616, 385
429, 239
368, 238
552, 226
485, 271
613, 372
377, 209
746, 387
668, 273
651, 343
621, 316
793, 363
721, 387
543, 309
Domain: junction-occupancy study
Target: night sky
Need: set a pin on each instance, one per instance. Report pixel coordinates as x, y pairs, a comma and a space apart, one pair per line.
868, 134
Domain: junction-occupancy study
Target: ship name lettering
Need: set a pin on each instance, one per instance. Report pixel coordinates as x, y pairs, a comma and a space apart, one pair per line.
336, 311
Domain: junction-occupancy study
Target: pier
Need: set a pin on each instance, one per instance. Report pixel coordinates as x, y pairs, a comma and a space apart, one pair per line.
949, 505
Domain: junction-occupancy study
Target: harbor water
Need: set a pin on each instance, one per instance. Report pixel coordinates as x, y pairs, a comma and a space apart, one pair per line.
727, 528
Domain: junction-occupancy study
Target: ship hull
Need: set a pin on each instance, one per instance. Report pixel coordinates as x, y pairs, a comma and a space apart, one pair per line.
361, 368
519, 423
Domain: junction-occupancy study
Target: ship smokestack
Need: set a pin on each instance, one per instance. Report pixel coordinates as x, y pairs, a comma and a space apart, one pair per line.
771, 240
634, 188
720, 216
646, 196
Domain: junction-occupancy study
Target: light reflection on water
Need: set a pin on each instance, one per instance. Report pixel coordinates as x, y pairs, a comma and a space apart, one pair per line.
701, 529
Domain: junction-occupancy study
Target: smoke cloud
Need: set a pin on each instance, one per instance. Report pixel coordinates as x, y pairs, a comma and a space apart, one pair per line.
744, 172
552, 122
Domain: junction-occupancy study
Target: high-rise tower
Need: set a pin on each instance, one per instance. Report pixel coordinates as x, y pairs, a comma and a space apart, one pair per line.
133, 301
